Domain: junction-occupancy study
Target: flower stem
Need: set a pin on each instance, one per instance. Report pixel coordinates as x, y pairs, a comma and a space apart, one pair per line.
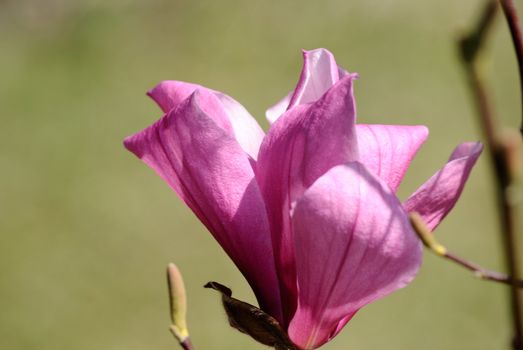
470, 47
515, 31
430, 242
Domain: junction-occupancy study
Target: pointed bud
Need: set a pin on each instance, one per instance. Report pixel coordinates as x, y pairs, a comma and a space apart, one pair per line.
253, 321
425, 235
178, 304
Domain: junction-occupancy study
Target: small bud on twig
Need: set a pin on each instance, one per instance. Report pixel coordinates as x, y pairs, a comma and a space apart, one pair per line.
425, 235
178, 307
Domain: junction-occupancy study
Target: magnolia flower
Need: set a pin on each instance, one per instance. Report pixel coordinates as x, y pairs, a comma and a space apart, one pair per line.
308, 212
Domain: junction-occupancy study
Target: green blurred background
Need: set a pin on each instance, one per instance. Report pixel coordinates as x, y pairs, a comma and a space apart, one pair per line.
86, 230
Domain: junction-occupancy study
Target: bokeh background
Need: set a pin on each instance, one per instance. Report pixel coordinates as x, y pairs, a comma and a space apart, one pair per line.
86, 230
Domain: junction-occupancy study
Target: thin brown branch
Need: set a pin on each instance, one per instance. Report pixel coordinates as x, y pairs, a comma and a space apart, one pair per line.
430, 242
482, 272
517, 39
471, 46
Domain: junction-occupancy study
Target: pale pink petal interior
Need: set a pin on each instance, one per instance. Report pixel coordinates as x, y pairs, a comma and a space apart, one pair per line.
318, 74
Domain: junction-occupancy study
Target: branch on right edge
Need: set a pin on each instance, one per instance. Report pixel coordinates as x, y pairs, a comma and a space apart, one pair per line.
511, 15
470, 48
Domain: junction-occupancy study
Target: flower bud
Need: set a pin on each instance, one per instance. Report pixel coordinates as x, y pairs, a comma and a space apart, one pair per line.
425, 235
178, 303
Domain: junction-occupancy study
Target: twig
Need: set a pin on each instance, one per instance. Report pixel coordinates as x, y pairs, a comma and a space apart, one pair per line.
430, 242
515, 31
470, 47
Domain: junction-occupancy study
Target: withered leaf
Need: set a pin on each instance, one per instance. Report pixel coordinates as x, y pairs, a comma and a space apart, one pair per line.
251, 320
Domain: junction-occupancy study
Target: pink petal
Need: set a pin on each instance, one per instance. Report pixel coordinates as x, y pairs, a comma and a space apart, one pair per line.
387, 150
195, 154
354, 245
319, 74
169, 94
436, 197
299, 148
